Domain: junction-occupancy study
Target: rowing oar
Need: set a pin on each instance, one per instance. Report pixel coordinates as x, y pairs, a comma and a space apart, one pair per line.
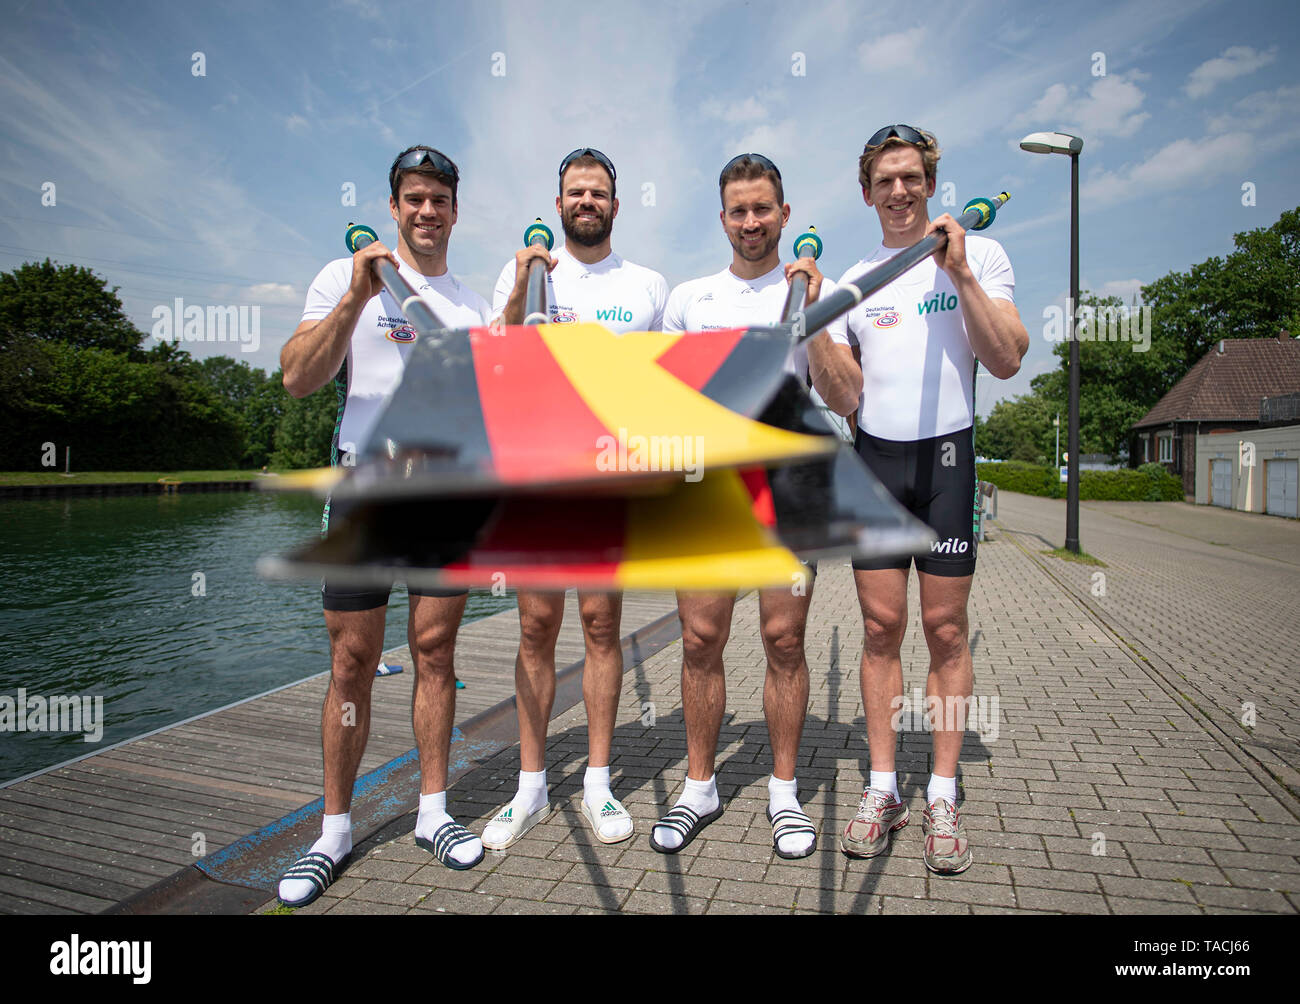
415, 308
806, 245
535, 298
978, 214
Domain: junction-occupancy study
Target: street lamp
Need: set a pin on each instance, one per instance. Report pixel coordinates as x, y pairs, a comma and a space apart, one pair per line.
1070, 146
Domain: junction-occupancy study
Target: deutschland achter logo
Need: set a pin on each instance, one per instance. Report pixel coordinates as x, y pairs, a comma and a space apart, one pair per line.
564, 317
886, 320
403, 334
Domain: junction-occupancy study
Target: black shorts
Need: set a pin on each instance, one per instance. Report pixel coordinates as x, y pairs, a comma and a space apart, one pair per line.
934, 480
350, 599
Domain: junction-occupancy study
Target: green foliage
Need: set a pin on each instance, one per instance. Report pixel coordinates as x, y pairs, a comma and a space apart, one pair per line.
1149, 483
306, 430
67, 304
1252, 293
1019, 429
257, 400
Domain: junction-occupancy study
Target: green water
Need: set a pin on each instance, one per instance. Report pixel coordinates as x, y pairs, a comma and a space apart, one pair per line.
97, 598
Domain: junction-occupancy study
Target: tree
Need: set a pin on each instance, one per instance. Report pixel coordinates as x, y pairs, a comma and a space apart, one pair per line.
306, 430
67, 304
1019, 429
1253, 293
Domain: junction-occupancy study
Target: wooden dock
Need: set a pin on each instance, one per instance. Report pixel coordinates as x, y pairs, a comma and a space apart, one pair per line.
82, 837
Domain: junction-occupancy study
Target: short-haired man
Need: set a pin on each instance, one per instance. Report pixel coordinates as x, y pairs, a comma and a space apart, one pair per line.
751, 290
919, 339
587, 282
353, 332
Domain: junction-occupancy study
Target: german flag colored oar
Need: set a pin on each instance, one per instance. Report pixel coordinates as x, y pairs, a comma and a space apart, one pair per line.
697, 536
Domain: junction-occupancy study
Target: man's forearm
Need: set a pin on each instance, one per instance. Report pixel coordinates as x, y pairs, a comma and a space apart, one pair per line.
997, 338
834, 375
310, 358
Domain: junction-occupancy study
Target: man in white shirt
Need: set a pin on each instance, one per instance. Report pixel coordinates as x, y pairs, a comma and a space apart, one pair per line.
751, 291
353, 332
587, 281
919, 339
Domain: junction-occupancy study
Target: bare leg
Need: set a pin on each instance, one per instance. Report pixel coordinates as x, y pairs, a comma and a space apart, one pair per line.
602, 676
706, 626
882, 594
356, 640
785, 689
540, 616
951, 677
431, 633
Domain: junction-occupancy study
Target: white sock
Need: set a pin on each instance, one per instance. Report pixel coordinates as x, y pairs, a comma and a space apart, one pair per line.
941, 787
433, 814
530, 797
783, 795
596, 792
701, 797
335, 842
885, 782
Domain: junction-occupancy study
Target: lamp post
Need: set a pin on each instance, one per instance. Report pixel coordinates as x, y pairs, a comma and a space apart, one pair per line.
1070, 146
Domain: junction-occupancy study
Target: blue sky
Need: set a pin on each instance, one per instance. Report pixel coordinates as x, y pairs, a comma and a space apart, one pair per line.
226, 188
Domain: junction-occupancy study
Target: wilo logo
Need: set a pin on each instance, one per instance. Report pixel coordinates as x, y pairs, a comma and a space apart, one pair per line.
615, 314
75, 957
176, 322
937, 302
55, 714
651, 453
953, 545
945, 714
1109, 324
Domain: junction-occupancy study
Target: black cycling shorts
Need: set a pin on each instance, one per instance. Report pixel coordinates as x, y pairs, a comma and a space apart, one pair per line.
934, 480
348, 598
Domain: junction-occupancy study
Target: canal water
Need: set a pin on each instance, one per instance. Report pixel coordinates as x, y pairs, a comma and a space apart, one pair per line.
152, 604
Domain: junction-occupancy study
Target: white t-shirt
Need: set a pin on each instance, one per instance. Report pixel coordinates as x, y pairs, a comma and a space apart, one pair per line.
382, 339
918, 370
613, 292
724, 300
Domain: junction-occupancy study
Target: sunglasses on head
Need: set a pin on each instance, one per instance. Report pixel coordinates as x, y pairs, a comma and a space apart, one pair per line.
756, 158
417, 158
904, 132
587, 151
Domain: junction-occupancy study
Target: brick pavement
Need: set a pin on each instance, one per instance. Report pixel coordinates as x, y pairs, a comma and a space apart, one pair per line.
1096, 790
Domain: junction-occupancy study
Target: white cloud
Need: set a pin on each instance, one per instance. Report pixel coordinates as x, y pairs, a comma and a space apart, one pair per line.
736, 111
1258, 110
268, 293
1236, 61
1125, 289
296, 124
1179, 164
892, 52
1110, 107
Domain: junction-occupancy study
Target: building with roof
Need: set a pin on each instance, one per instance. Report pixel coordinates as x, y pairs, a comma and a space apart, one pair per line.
1241, 384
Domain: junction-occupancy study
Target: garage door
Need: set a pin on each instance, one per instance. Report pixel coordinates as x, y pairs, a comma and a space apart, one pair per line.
1283, 476
1221, 483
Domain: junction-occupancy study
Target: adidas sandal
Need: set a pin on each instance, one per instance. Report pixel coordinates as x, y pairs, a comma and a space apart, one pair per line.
445, 838
787, 823
517, 824
611, 809
685, 821
317, 868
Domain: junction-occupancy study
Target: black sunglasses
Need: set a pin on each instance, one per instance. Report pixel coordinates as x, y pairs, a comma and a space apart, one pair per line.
756, 158
587, 151
904, 132
418, 158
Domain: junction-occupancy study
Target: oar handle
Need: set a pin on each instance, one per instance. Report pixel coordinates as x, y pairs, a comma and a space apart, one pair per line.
806, 245
979, 213
535, 297
417, 311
